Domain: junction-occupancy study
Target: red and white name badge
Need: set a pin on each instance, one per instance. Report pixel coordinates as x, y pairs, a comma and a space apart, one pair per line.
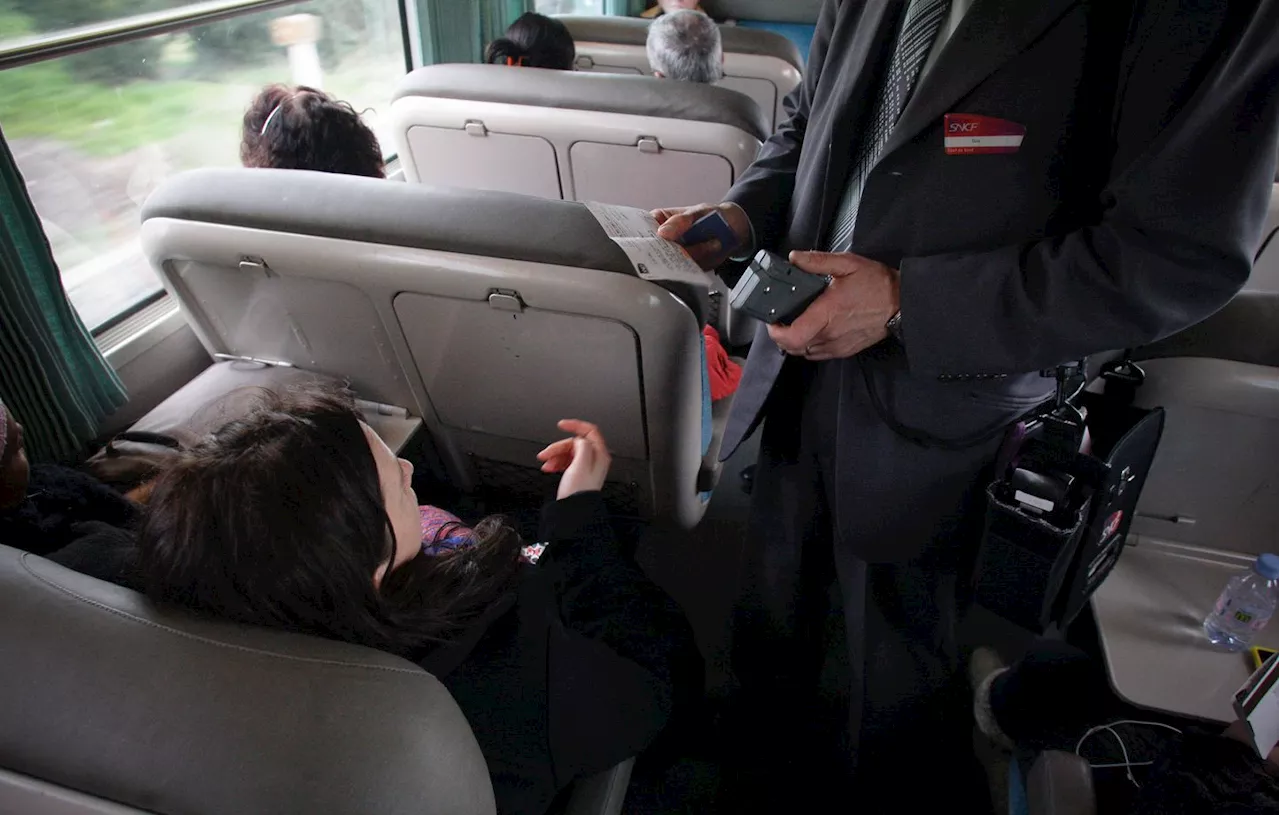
969, 134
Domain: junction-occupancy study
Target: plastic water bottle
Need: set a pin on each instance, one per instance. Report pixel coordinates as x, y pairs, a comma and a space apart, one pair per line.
1245, 606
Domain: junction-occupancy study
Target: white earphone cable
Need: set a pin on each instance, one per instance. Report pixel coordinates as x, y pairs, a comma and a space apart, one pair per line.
1127, 764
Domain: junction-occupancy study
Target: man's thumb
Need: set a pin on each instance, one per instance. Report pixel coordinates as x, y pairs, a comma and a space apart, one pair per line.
675, 226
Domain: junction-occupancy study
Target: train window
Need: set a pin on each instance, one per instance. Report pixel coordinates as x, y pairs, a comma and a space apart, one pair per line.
569, 6
95, 131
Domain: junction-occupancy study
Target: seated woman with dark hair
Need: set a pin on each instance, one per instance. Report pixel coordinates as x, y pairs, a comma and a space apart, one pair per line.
301, 128
564, 657
534, 41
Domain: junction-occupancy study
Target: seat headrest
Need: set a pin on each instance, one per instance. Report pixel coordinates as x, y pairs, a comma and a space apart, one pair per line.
792, 11
420, 216
635, 31
104, 693
372, 210
605, 93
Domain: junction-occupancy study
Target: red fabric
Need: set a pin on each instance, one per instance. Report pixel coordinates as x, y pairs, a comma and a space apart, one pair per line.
724, 373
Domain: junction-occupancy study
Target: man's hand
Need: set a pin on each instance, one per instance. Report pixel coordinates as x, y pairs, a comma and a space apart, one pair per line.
849, 316
672, 223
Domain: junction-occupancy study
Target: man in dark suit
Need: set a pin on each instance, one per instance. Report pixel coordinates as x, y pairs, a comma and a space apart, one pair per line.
997, 187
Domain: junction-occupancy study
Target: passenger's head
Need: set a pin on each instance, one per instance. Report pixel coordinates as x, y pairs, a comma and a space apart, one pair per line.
300, 128
14, 470
672, 6
299, 517
685, 45
533, 41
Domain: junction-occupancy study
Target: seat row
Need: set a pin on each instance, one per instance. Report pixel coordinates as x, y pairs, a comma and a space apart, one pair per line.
608, 132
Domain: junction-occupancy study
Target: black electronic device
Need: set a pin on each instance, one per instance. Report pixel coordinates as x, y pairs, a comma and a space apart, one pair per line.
774, 291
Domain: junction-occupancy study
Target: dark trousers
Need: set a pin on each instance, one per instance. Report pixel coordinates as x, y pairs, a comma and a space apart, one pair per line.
904, 693
1050, 697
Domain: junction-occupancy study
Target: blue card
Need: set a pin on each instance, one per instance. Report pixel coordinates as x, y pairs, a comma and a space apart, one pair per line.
711, 226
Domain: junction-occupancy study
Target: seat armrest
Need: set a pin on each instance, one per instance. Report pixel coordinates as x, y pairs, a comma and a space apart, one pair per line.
709, 475
1060, 784
736, 329
602, 793
710, 469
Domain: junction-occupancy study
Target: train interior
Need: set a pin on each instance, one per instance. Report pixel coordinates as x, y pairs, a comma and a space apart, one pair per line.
471, 300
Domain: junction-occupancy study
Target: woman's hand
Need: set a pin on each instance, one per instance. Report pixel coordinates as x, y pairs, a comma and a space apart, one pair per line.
584, 459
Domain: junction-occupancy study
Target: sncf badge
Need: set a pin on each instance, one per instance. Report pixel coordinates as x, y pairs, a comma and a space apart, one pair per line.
969, 134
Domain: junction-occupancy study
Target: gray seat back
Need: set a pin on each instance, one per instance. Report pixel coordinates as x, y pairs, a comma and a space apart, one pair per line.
489, 315
631, 140
1060, 783
792, 11
764, 65
109, 704
1209, 485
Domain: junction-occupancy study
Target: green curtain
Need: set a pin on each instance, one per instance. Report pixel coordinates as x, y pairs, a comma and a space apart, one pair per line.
496, 15
624, 8
52, 375
457, 31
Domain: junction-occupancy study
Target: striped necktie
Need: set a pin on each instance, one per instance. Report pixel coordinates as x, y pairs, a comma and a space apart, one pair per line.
919, 28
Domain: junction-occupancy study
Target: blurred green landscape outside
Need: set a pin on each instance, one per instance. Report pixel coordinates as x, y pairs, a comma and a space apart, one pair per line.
106, 105
94, 132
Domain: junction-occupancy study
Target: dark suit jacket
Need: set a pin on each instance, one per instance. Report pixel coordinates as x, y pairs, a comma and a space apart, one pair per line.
1132, 209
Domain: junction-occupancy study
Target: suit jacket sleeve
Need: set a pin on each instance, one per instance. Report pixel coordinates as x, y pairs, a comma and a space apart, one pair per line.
1183, 210
764, 190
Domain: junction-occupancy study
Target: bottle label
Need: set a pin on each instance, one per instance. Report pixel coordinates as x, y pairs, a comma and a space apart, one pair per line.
1241, 615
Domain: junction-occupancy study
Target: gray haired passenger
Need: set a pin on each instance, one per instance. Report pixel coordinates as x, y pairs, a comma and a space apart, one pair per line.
685, 45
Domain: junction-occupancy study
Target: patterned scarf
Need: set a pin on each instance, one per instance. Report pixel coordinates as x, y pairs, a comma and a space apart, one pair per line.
444, 532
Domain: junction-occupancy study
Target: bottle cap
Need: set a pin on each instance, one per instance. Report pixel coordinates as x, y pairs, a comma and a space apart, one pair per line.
1268, 565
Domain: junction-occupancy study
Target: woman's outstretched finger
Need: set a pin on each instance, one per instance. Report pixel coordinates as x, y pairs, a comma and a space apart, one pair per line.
557, 456
558, 462
586, 430
585, 452
563, 447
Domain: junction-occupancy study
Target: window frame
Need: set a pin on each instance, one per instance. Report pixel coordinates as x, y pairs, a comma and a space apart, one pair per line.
41, 47
16, 53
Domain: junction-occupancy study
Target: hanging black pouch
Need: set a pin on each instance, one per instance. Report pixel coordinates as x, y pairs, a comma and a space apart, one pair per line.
1126, 438
1059, 508
1025, 558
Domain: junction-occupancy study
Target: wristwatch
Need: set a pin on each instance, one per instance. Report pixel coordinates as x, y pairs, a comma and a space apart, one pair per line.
894, 326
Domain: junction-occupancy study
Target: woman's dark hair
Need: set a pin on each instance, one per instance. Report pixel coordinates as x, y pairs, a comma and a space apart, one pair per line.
301, 128
277, 519
534, 41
